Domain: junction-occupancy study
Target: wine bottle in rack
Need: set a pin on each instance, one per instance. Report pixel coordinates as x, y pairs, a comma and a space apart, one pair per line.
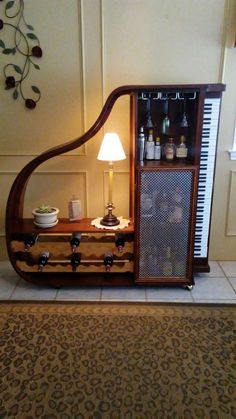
120, 242
108, 261
75, 241
30, 241
75, 260
43, 260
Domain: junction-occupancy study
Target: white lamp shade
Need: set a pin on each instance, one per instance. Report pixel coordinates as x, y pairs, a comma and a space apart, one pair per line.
111, 148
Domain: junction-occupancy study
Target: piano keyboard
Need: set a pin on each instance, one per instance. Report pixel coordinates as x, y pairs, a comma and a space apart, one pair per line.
206, 175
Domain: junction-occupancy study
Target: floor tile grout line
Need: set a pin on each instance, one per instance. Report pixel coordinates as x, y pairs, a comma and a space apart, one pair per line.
14, 289
228, 278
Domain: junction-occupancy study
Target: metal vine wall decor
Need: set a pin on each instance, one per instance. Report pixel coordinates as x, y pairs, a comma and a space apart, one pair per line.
15, 75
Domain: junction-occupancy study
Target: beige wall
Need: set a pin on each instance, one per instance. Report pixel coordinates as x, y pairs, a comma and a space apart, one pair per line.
89, 48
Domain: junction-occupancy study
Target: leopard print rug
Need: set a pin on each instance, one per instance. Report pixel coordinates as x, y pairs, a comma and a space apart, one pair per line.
117, 361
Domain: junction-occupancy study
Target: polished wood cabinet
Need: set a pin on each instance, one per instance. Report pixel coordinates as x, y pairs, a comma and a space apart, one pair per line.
167, 239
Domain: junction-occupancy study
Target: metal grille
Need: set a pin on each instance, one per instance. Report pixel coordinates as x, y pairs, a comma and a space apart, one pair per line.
165, 205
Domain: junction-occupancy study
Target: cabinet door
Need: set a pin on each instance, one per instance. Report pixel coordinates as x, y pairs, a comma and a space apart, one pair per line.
165, 225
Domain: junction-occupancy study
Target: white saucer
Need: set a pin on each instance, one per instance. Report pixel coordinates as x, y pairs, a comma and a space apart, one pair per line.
42, 225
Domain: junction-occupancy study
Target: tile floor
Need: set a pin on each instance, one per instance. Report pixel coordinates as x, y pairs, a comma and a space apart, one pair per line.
217, 286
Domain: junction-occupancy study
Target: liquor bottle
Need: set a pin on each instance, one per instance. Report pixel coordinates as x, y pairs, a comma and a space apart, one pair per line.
108, 261
141, 144
167, 266
42, 261
30, 241
75, 241
179, 264
150, 146
157, 153
164, 203
169, 149
176, 214
120, 242
163, 208
156, 262
75, 260
165, 123
181, 149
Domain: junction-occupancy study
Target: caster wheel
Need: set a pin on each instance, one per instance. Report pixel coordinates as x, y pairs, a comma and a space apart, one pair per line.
188, 287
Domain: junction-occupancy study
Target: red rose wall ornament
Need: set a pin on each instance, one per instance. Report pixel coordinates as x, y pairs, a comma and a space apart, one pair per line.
16, 74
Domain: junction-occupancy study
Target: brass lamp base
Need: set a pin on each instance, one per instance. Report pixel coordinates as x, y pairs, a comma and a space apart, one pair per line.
110, 220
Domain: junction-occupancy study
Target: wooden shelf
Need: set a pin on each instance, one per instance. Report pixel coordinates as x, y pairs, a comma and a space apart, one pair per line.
26, 225
163, 164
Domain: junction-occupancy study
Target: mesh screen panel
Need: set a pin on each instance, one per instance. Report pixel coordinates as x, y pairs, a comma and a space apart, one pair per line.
165, 209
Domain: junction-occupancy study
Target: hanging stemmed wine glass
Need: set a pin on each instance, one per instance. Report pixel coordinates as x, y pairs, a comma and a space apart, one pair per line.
149, 123
165, 124
184, 119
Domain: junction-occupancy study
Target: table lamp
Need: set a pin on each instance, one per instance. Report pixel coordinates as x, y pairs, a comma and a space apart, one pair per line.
111, 150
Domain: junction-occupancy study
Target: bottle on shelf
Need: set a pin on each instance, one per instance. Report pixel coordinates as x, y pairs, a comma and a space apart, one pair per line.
181, 149
75, 241
176, 214
75, 260
141, 144
179, 264
30, 241
43, 260
108, 261
120, 242
167, 266
165, 123
156, 271
150, 146
157, 151
164, 202
163, 209
169, 149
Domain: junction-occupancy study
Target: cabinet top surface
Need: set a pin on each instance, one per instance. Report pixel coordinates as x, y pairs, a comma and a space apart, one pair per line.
26, 225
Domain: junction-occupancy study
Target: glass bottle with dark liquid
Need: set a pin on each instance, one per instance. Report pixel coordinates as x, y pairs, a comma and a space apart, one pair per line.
75, 241
75, 260
120, 242
43, 260
30, 241
108, 261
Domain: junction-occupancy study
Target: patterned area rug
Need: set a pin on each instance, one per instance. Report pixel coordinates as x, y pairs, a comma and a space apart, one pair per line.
117, 361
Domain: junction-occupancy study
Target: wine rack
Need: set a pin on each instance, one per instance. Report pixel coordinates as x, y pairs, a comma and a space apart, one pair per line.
167, 239
92, 248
